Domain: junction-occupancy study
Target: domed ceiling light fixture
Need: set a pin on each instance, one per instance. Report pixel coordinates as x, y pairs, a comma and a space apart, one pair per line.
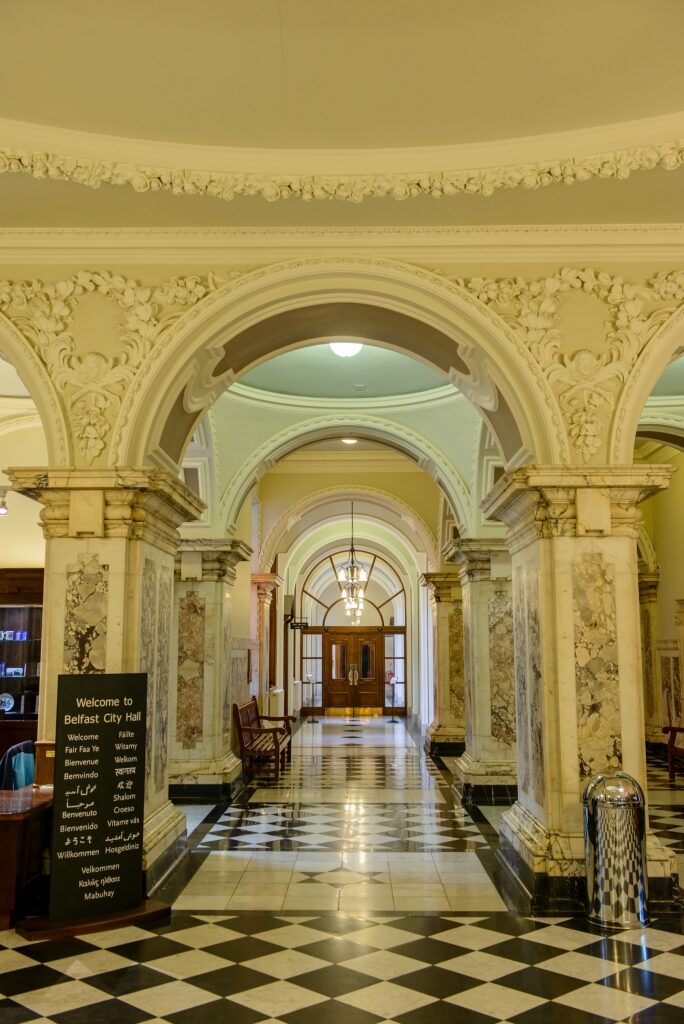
345, 349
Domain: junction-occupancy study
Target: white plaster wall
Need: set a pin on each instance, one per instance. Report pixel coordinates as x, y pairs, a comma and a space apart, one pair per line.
663, 521
21, 538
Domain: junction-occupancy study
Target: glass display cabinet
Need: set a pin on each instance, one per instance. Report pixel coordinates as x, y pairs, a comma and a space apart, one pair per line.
20, 639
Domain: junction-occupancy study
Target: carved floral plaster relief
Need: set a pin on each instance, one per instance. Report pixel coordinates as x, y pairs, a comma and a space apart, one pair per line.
143, 176
85, 620
94, 384
599, 730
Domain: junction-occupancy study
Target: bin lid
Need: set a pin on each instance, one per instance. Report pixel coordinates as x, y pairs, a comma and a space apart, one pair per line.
616, 790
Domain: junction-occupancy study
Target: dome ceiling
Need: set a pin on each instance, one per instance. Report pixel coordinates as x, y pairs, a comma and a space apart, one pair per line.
168, 110
316, 372
344, 74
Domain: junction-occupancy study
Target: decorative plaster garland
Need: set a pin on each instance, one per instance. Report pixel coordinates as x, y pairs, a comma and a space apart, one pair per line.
586, 383
354, 188
94, 385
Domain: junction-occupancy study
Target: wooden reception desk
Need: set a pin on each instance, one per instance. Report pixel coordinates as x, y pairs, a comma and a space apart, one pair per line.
24, 835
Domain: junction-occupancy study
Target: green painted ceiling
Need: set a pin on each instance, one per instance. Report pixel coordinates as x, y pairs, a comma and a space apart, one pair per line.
316, 372
672, 380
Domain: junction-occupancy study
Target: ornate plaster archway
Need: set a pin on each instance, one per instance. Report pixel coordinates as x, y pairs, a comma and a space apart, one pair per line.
256, 315
429, 458
36, 379
321, 505
664, 344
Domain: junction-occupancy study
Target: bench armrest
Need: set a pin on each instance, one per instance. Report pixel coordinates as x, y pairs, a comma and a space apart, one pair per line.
279, 718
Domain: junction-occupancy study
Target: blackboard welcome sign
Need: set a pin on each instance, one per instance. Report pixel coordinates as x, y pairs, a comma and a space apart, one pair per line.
96, 863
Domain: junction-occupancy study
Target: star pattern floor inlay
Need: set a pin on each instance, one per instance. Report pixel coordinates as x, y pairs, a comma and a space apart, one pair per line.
355, 891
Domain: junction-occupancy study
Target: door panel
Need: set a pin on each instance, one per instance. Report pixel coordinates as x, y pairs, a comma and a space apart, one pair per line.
370, 690
352, 671
336, 660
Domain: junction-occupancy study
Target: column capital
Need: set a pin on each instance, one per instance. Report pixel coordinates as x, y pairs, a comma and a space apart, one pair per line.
442, 586
648, 586
266, 583
209, 559
479, 558
134, 503
540, 502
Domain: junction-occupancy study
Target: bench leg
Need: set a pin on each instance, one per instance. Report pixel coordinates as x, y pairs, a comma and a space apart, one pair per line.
670, 761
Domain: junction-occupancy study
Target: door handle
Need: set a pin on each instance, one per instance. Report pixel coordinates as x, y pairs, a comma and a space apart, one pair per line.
353, 677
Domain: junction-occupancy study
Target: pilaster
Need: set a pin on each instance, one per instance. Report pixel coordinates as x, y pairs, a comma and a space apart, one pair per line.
486, 771
670, 658
649, 620
201, 761
266, 584
111, 540
579, 697
446, 732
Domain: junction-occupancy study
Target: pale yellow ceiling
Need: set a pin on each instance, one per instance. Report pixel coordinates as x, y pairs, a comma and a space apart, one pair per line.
339, 73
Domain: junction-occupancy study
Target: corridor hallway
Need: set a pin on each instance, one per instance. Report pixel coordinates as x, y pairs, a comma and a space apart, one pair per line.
361, 820
356, 891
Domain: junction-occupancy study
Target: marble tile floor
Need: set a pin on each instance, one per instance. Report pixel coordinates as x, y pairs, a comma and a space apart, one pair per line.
353, 909
362, 826
353, 968
287, 847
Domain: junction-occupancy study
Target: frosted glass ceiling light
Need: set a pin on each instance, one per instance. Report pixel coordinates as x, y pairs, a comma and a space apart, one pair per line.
3, 504
349, 440
345, 349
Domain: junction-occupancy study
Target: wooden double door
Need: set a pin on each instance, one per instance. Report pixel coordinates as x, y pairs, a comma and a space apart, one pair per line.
353, 671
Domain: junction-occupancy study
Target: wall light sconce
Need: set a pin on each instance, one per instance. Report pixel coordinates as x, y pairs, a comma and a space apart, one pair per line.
3, 504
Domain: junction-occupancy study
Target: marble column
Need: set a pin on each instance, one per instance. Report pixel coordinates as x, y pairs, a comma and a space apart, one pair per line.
201, 762
648, 613
266, 584
486, 772
579, 699
111, 541
446, 732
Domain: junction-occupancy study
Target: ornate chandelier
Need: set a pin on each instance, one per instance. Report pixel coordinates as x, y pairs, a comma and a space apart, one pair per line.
352, 573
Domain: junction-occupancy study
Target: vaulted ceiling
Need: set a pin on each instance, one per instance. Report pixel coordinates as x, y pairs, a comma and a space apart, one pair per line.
373, 95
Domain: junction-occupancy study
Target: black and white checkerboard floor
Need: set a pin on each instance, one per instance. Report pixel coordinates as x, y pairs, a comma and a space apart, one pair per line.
356, 891
322, 827
248, 968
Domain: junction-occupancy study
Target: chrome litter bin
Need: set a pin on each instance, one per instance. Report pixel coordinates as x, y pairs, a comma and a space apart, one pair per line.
615, 848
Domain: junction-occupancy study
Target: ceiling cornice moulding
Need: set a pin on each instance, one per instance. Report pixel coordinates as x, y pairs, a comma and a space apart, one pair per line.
244, 246
606, 151
257, 396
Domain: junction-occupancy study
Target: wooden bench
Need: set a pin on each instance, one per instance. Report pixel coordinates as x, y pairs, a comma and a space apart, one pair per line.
267, 746
673, 749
